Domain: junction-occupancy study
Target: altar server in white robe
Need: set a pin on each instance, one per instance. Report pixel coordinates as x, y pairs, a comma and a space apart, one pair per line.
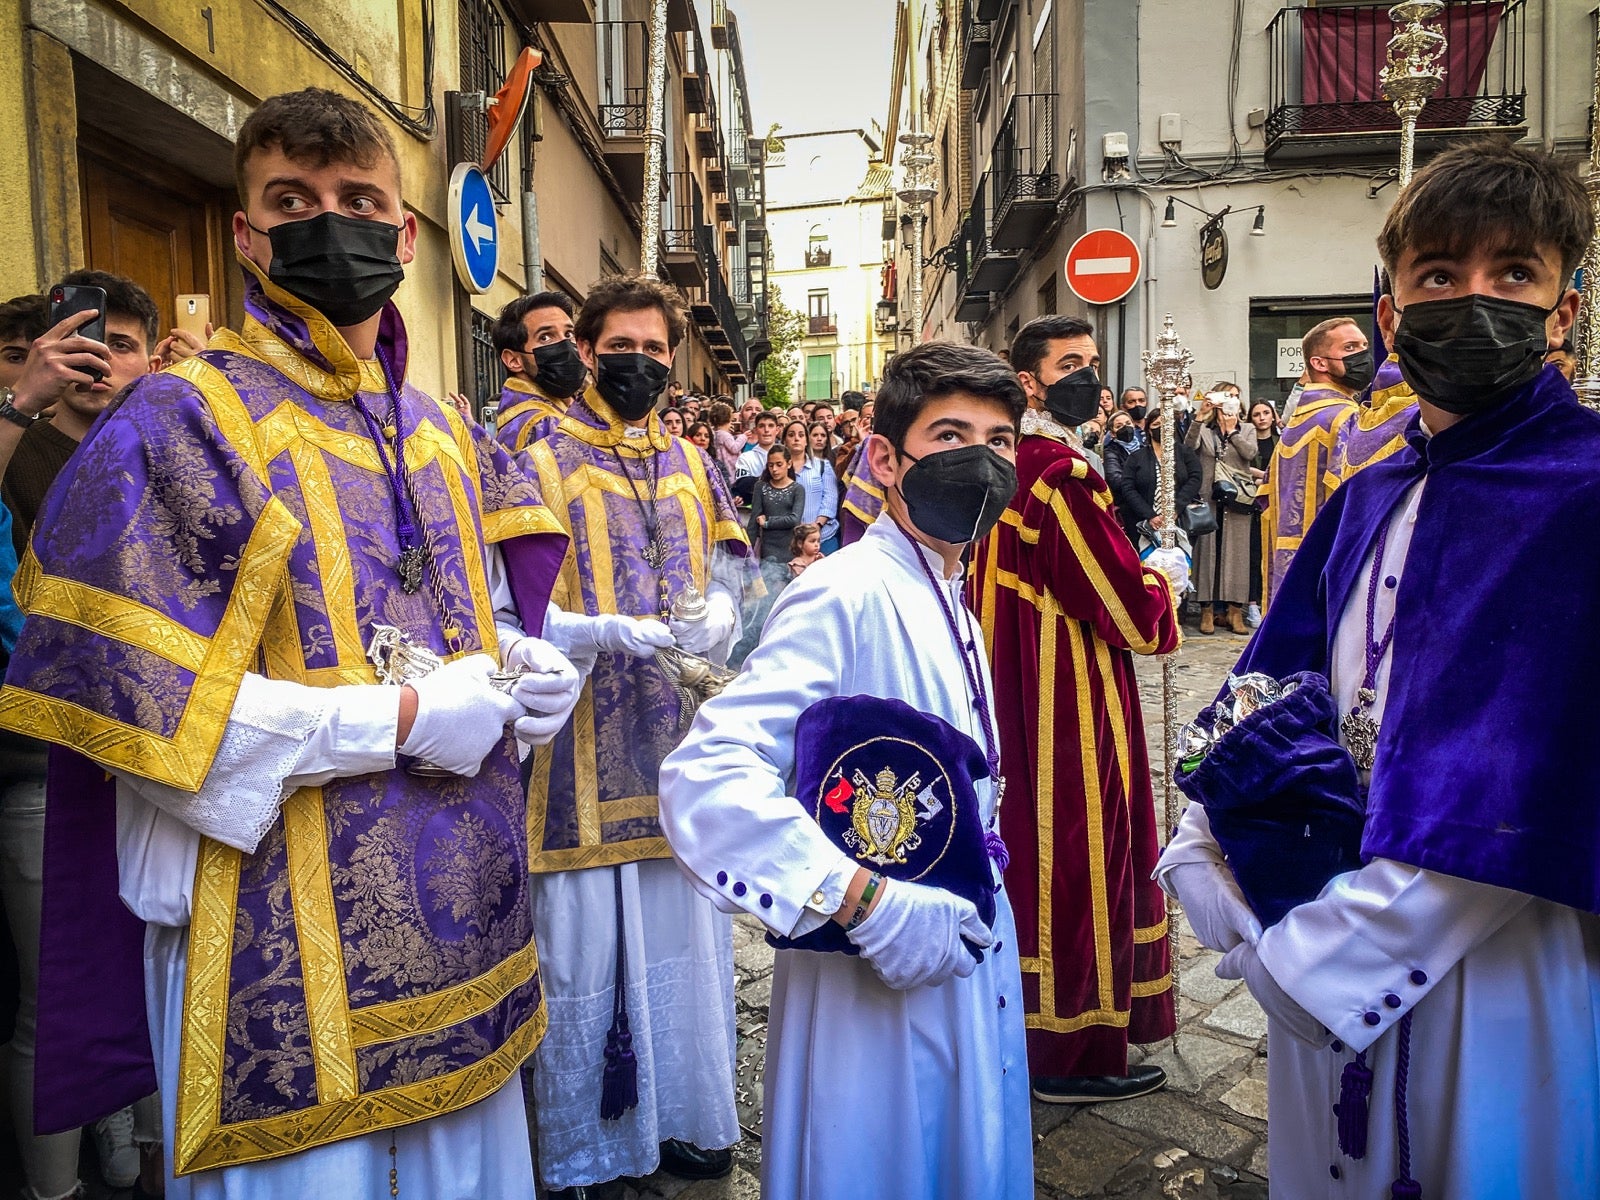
900, 1073
1460, 965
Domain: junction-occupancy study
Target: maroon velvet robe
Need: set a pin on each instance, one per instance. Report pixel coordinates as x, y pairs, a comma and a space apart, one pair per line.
1064, 604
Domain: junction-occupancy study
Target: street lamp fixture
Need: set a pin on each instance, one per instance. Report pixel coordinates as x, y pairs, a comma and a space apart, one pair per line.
1259, 227
1170, 219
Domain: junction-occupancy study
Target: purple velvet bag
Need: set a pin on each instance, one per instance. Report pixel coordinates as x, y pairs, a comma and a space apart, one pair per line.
1283, 799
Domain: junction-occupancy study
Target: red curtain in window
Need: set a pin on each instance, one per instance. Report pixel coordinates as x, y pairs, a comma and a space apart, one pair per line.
1345, 48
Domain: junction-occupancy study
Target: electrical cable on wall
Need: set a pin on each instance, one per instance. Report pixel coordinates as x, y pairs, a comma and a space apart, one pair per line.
421, 121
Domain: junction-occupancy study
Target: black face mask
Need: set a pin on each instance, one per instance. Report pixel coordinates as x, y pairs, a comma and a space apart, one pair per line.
1091, 440
1358, 370
630, 383
560, 371
1138, 412
1127, 435
958, 495
1465, 353
1074, 398
344, 268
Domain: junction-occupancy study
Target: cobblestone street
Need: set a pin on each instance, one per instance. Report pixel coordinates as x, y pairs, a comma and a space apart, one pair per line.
1203, 1138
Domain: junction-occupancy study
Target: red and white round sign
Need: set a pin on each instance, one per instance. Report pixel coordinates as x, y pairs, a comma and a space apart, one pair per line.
1102, 266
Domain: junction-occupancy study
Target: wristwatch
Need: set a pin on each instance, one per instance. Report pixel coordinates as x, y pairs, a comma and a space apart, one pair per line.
10, 412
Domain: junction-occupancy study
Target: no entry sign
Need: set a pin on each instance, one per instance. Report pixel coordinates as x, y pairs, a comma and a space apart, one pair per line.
1102, 266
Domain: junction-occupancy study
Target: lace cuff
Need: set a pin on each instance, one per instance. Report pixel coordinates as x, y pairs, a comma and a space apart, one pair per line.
280, 736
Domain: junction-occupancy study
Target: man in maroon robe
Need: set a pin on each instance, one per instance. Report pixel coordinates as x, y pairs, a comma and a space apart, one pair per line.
1065, 604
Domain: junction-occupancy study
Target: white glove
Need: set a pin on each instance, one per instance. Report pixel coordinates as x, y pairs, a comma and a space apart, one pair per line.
1174, 564
460, 717
1242, 962
639, 637
548, 692
702, 637
913, 937
1214, 904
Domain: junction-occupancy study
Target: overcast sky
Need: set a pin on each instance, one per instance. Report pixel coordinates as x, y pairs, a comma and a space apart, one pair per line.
817, 64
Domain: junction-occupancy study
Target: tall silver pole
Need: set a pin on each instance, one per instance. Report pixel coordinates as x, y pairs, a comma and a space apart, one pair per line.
1414, 71
1588, 382
1167, 370
919, 189
655, 141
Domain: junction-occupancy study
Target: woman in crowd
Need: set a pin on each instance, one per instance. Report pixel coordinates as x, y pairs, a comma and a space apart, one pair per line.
672, 422
793, 439
775, 508
821, 487
1226, 446
1135, 485
700, 434
1264, 420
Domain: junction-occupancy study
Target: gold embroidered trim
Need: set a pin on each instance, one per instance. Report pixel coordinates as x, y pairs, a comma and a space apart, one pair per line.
182, 760
335, 570
1143, 989
205, 997
614, 435
629, 808
581, 858
112, 616
524, 521
450, 1006
254, 1141
316, 927
1094, 815
1150, 933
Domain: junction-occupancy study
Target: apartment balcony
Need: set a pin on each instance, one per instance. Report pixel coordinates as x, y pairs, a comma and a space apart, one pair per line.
991, 268
976, 41
974, 306
737, 150
719, 24
685, 238
1024, 181
988, 10
556, 12
1327, 102
696, 74
623, 48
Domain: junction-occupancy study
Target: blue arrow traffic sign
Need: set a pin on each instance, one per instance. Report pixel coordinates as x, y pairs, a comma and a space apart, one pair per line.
474, 228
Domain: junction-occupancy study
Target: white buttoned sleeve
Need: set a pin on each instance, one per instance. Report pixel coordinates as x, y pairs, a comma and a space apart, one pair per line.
726, 811
1192, 842
1377, 940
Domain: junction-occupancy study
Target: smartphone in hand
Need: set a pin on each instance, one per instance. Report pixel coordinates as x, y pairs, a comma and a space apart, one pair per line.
67, 299
194, 314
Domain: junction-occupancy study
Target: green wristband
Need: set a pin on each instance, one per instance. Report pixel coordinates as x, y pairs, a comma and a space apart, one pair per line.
874, 882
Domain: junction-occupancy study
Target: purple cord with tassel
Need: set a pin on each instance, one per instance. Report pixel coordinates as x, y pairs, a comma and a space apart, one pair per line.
619, 1089
1355, 1093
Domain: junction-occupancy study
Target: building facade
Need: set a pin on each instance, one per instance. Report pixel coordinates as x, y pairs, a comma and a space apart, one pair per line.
122, 117
829, 214
1172, 121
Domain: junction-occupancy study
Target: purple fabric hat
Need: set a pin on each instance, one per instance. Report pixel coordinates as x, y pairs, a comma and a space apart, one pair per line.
1283, 799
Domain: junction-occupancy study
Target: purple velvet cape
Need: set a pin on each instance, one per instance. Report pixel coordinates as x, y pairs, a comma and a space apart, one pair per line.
845, 740
93, 1043
1480, 767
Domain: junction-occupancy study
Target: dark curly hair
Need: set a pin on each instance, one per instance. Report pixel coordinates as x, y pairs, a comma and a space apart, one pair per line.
631, 293
934, 370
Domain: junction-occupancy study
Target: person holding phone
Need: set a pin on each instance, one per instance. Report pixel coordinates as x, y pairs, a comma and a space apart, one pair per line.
100, 337
1226, 445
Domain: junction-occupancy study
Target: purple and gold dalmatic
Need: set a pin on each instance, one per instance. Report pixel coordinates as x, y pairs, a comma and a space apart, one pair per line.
592, 796
372, 964
863, 498
526, 415
1378, 428
1296, 479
